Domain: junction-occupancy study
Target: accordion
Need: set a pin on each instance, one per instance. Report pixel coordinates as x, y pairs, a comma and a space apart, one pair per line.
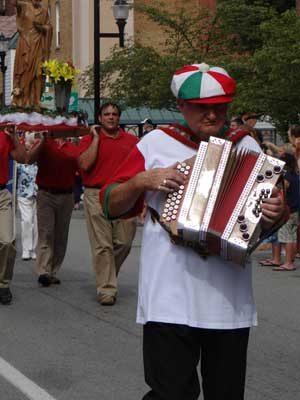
218, 209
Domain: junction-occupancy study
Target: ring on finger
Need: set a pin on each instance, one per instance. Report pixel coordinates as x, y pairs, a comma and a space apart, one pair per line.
164, 182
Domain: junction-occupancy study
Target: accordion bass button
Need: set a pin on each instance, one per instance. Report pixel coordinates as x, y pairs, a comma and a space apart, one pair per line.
181, 187
173, 217
268, 174
277, 169
243, 227
168, 219
164, 215
180, 191
178, 166
241, 218
245, 236
186, 172
260, 178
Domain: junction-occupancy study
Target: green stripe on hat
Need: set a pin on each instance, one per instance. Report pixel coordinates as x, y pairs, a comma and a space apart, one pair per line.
190, 89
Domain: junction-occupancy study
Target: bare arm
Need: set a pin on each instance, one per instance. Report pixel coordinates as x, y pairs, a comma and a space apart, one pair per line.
18, 153
88, 157
123, 197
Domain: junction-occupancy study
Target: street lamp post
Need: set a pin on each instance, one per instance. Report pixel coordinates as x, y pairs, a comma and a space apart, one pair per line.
3, 67
121, 12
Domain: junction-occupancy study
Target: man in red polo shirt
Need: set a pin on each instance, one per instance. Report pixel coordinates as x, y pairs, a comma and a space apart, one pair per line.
100, 156
9, 147
57, 166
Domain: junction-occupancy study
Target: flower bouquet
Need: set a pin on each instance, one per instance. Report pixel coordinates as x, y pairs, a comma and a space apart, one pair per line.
62, 74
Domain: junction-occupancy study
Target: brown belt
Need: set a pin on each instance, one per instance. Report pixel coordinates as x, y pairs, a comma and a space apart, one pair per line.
56, 190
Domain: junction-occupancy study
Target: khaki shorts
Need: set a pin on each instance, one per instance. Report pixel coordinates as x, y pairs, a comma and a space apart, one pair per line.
288, 232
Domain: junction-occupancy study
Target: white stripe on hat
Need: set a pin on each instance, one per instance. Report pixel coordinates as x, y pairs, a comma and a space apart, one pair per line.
180, 79
219, 70
210, 87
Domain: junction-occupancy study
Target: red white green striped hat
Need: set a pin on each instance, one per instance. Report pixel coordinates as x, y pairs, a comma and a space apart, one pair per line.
202, 83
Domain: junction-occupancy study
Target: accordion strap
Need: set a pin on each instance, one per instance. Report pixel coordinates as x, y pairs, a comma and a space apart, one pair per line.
199, 248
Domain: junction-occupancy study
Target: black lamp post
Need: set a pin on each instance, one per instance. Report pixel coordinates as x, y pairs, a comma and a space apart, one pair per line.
121, 12
3, 67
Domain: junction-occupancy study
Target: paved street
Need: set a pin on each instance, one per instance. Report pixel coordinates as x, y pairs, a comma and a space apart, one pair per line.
58, 343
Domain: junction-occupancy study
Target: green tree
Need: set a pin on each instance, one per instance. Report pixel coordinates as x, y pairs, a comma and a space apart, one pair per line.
257, 44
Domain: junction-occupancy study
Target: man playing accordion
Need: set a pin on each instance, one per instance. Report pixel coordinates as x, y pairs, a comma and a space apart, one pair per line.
189, 306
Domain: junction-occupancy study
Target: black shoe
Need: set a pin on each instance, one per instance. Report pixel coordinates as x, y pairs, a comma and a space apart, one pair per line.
44, 280
54, 280
5, 296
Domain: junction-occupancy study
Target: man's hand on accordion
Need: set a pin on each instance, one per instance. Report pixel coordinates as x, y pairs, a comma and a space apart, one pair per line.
273, 209
161, 179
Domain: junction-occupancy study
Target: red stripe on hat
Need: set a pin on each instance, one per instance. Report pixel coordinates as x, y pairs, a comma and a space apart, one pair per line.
187, 68
227, 83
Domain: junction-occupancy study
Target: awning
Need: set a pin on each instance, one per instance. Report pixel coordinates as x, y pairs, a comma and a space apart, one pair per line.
134, 116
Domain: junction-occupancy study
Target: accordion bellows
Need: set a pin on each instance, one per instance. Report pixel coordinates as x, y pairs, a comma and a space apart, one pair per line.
219, 207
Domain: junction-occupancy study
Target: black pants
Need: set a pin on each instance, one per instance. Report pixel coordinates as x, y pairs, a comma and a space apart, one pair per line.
172, 353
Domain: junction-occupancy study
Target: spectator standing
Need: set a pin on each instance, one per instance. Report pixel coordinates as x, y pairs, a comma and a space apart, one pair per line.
101, 155
287, 234
236, 123
26, 198
148, 126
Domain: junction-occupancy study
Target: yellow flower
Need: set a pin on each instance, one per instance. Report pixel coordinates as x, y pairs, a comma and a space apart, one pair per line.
58, 71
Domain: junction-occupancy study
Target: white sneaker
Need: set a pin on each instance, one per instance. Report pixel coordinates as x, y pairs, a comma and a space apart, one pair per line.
25, 256
33, 255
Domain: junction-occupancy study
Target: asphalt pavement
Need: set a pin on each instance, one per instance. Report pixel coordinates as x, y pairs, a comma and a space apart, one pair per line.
58, 343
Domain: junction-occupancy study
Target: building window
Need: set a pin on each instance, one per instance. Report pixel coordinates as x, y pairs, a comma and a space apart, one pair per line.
57, 24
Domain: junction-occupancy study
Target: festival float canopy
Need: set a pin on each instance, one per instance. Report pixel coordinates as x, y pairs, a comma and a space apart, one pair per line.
54, 125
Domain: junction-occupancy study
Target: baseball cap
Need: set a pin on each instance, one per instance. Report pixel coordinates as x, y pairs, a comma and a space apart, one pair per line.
203, 83
147, 120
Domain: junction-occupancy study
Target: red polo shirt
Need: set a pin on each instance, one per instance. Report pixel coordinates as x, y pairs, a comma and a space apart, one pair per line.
6, 146
111, 152
57, 165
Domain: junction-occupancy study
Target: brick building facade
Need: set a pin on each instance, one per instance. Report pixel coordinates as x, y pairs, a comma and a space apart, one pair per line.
144, 28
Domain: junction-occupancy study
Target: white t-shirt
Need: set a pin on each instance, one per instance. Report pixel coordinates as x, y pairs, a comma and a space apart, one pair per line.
176, 285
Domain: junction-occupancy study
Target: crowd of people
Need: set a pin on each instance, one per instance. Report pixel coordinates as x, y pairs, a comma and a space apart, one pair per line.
46, 180
203, 308
288, 236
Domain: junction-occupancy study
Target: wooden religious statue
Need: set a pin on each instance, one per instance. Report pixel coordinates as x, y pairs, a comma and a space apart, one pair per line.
33, 48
